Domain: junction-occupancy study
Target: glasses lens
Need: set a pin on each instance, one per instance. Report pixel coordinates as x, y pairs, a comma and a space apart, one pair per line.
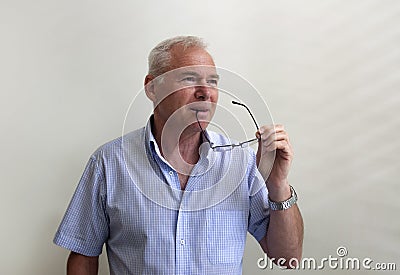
223, 148
245, 144
248, 143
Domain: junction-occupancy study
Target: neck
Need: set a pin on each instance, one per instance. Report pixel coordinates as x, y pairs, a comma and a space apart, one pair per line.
180, 147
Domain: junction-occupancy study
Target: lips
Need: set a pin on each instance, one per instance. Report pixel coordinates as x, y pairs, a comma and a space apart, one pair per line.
200, 110
200, 107
201, 113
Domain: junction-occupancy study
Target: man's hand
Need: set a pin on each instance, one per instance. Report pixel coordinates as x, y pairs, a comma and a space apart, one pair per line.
274, 143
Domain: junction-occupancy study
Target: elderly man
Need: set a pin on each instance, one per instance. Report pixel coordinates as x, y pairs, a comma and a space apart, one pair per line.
147, 194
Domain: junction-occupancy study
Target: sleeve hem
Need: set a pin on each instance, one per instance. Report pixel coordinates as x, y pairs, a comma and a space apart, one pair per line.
260, 233
77, 246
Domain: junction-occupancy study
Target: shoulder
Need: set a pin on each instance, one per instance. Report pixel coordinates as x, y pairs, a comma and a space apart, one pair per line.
114, 148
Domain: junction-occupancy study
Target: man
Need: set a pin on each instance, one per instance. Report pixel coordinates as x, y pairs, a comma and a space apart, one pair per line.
147, 195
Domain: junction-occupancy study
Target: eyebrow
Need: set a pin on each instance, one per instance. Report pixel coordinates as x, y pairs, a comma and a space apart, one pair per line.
192, 73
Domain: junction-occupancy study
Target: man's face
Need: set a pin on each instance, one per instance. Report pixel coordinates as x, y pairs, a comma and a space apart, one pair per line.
188, 90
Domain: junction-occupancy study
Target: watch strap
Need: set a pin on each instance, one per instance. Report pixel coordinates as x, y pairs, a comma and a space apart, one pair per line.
284, 204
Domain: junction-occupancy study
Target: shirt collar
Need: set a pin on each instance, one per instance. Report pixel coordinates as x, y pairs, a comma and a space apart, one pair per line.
150, 140
151, 144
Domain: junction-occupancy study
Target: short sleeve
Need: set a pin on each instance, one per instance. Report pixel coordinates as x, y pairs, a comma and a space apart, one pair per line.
84, 228
259, 208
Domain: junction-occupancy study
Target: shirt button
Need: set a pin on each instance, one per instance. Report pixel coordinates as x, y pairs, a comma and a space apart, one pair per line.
171, 173
182, 242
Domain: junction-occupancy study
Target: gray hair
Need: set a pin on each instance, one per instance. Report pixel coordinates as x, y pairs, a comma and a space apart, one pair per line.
160, 56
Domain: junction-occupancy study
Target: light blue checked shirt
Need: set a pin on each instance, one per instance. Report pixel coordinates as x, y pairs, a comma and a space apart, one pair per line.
129, 198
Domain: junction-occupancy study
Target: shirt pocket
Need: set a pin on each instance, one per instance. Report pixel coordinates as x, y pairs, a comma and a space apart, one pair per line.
226, 236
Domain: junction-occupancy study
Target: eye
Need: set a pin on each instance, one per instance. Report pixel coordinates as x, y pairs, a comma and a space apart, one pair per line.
189, 79
212, 82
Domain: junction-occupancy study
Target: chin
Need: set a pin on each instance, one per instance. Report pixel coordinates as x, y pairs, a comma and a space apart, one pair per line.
194, 127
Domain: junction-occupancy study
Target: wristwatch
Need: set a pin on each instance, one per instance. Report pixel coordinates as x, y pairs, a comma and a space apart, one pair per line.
284, 204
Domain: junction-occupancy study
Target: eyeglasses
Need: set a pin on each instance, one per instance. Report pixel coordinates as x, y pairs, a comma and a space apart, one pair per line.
227, 147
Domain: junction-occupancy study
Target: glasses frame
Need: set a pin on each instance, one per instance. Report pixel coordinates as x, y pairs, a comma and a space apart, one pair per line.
233, 145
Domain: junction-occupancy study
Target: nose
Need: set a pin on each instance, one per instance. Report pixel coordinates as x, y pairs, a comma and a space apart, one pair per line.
202, 92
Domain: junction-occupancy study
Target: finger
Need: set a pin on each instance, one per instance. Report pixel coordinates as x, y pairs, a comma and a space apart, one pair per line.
268, 128
269, 135
266, 141
280, 145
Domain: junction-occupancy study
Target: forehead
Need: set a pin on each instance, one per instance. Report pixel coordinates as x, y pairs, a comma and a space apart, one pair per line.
192, 56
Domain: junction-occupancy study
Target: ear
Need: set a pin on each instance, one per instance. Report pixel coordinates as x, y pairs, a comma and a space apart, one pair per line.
149, 87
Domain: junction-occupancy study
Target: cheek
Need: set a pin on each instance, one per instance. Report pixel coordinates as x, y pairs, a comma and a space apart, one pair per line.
164, 91
184, 96
176, 100
214, 95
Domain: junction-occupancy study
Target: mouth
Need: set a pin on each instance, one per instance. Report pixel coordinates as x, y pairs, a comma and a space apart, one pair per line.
201, 107
200, 110
201, 114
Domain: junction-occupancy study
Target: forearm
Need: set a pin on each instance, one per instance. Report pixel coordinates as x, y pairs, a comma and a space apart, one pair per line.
285, 234
82, 265
284, 237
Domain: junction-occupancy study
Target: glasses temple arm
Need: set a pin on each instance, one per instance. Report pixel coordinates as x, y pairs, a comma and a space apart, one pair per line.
248, 110
202, 131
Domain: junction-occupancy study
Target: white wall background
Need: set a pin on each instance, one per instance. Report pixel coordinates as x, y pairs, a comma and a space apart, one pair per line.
329, 70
